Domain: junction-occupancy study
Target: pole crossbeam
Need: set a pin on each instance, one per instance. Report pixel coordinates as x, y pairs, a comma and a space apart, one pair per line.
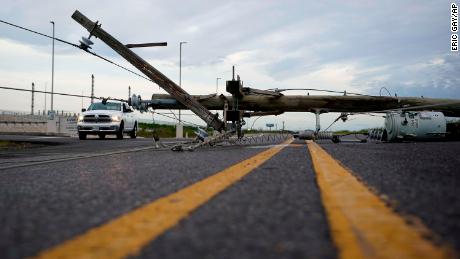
156, 76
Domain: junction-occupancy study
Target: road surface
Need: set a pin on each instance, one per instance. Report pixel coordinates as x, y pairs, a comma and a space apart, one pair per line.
65, 198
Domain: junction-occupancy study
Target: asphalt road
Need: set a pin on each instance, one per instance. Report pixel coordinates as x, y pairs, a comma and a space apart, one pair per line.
420, 179
275, 211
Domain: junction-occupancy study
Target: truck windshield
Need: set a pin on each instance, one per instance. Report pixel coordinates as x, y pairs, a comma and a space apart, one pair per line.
107, 106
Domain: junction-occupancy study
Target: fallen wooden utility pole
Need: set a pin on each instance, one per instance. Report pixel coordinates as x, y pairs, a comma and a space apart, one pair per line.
312, 103
156, 76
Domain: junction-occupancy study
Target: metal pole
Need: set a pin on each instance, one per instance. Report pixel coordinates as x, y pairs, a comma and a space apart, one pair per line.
318, 123
92, 88
52, 71
129, 92
217, 84
180, 68
44, 110
33, 92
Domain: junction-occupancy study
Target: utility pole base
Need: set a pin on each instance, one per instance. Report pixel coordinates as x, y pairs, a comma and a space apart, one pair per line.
179, 130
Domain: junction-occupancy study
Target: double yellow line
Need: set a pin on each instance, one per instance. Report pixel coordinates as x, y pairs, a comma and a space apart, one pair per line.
362, 226
128, 234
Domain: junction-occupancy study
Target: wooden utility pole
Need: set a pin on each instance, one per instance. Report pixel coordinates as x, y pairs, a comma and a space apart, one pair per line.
156, 76
314, 103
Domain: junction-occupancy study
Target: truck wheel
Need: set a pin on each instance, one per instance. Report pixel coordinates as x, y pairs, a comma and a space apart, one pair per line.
120, 132
81, 135
101, 135
133, 133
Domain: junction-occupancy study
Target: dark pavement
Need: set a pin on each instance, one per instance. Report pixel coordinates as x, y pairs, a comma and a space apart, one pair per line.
420, 179
274, 212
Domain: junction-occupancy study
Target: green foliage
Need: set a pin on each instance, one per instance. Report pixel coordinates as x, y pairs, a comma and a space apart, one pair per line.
13, 145
258, 131
344, 132
148, 130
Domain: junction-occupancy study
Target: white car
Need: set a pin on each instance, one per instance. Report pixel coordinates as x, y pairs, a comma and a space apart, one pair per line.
103, 118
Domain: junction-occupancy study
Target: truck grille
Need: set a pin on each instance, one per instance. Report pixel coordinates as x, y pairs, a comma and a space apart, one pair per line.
97, 119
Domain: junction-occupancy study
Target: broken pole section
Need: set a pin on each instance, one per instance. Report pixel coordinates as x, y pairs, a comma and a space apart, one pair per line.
156, 76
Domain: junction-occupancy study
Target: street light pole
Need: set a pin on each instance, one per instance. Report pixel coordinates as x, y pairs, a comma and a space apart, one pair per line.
52, 71
217, 84
180, 68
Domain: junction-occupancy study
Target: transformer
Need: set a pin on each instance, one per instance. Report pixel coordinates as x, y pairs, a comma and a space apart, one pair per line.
414, 125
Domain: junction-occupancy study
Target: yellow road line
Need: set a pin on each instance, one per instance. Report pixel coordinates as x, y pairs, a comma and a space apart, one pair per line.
362, 225
127, 234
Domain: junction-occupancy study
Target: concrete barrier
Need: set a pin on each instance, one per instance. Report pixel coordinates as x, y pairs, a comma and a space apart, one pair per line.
38, 124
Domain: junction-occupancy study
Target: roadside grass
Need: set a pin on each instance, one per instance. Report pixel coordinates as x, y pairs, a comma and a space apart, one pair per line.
4, 144
347, 132
148, 130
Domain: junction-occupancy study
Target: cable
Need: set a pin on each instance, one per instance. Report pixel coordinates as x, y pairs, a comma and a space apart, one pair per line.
174, 115
382, 88
191, 123
347, 114
255, 122
317, 90
39, 33
99, 98
64, 94
185, 114
118, 65
79, 47
408, 108
338, 118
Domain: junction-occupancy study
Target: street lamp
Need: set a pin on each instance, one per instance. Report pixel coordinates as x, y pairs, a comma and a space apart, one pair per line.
52, 71
180, 67
217, 84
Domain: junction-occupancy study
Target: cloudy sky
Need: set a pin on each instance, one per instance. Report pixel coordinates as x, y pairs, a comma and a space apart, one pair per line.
356, 46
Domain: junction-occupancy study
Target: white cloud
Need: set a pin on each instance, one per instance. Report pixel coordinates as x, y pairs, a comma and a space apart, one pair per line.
356, 46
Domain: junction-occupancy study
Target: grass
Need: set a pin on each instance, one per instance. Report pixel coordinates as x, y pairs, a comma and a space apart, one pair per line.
343, 132
4, 144
148, 130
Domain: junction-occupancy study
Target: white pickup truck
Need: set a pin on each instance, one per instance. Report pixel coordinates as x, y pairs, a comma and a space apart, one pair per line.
103, 118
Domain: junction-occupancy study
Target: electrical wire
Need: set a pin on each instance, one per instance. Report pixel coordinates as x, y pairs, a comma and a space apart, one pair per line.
164, 115
99, 98
64, 94
409, 108
338, 118
144, 77
316, 90
77, 46
39, 33
116, 64
384, 88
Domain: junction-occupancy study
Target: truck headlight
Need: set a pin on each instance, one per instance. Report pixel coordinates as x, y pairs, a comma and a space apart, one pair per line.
116, 118
80, 118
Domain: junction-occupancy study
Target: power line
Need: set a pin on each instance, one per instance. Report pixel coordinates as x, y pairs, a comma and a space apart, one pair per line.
39, 33
316, 90
100, 98
77, 46
164, 115
64, 94
118, 65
